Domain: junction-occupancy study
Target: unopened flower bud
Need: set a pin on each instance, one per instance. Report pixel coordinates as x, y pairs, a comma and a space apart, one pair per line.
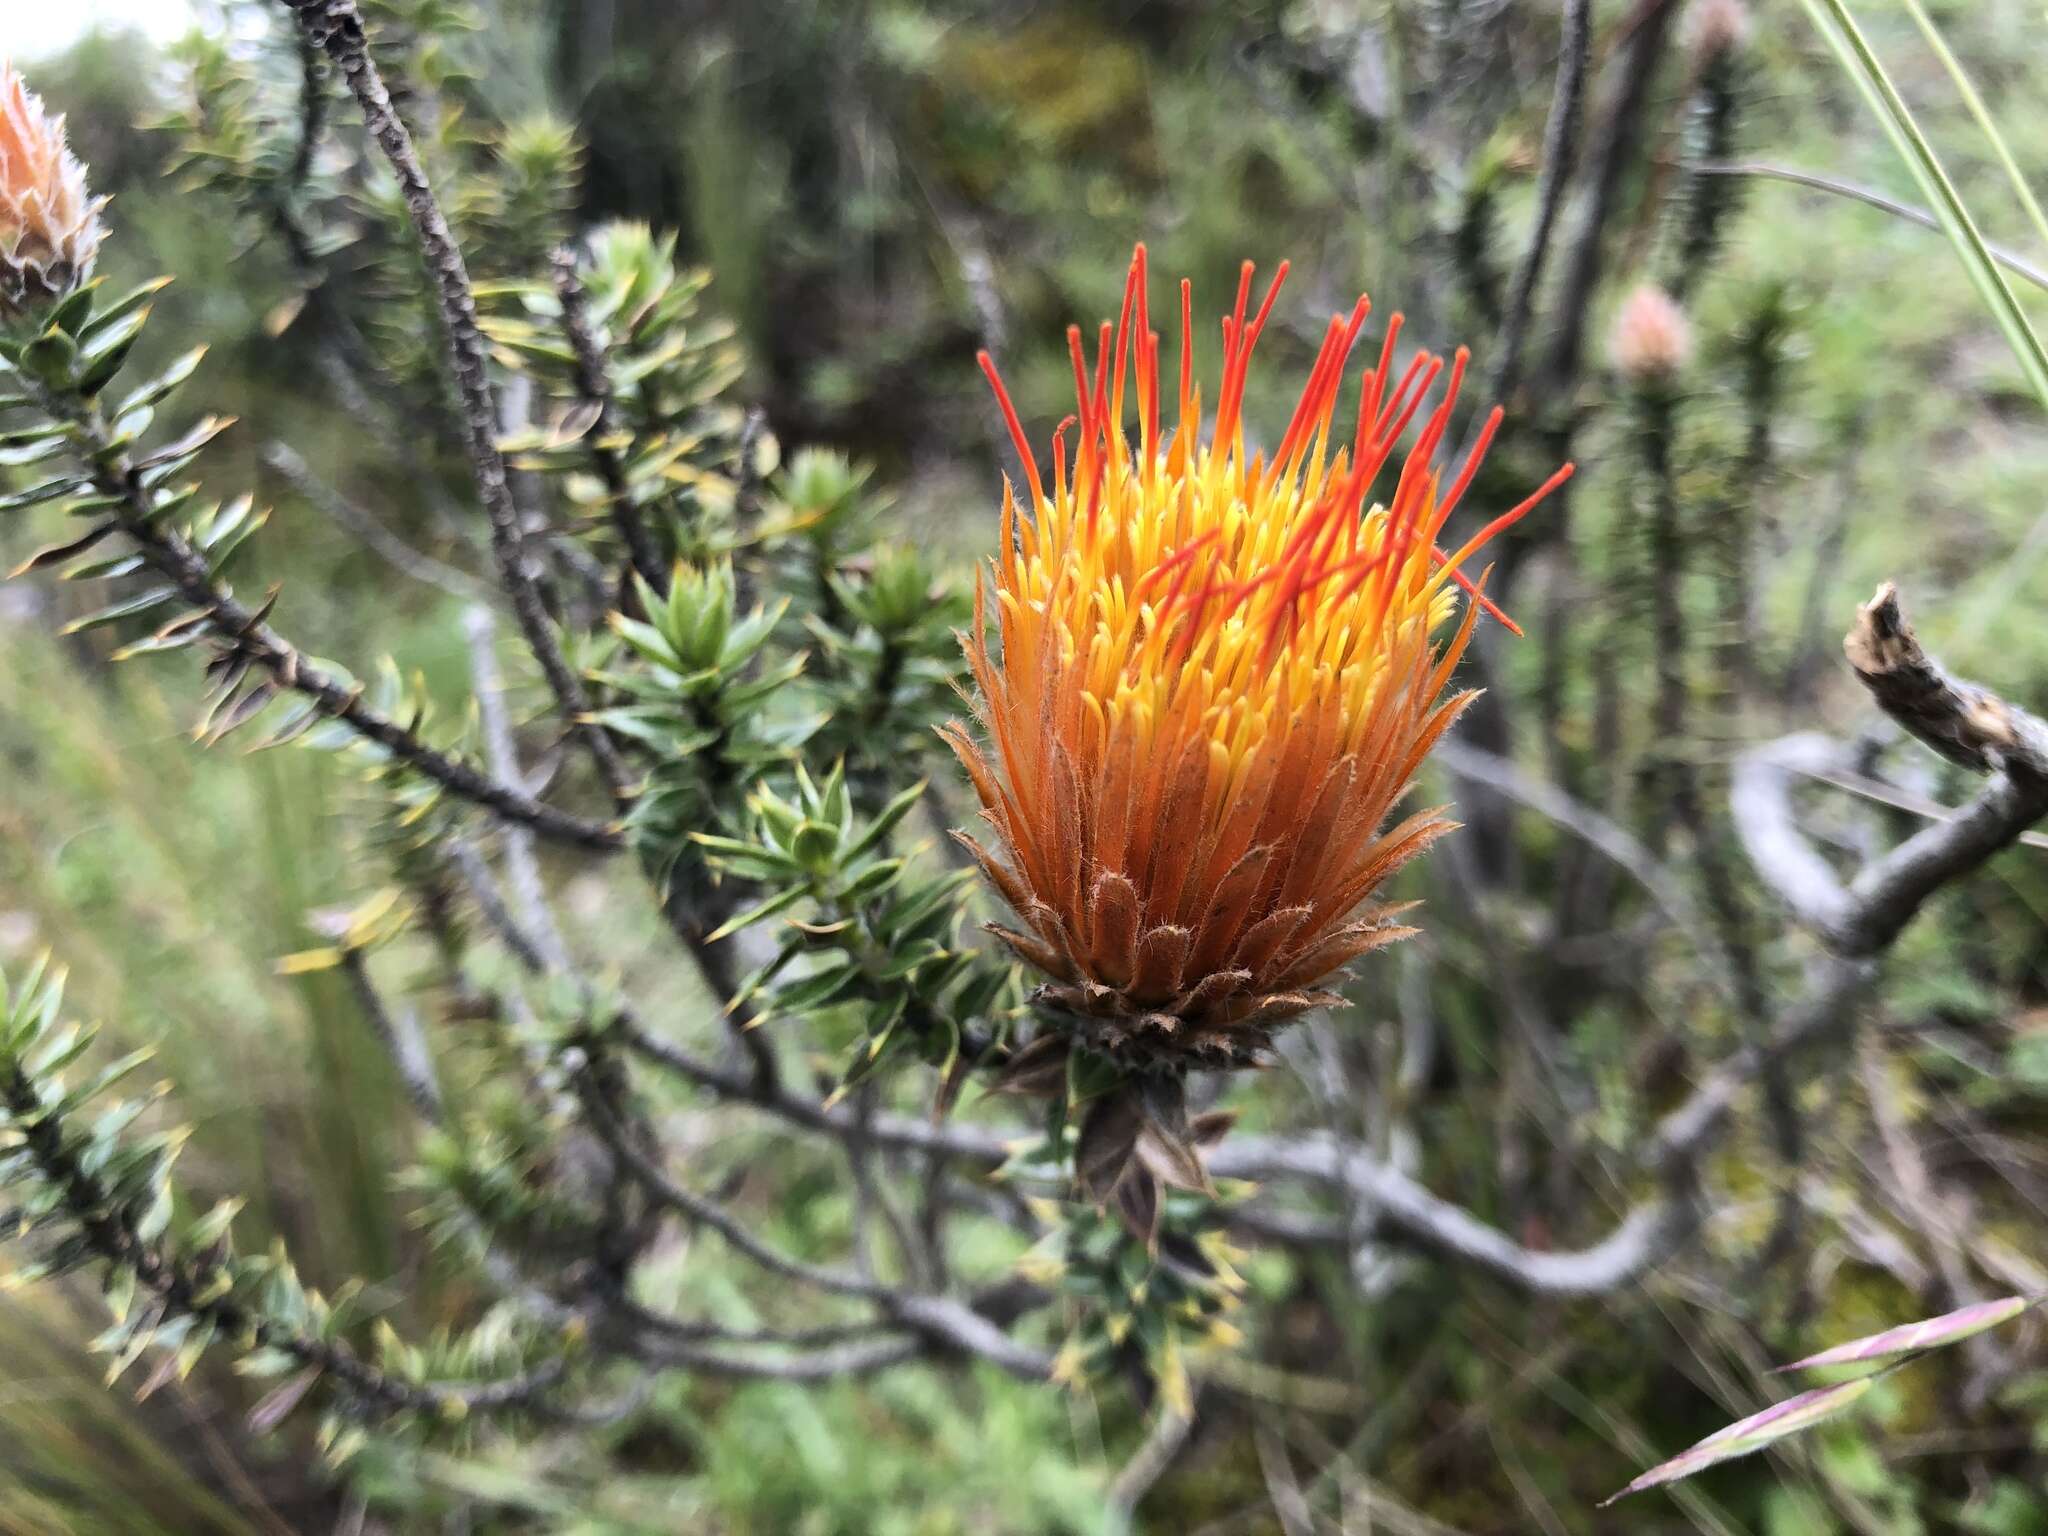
1652, 341
1716, 27
49, 220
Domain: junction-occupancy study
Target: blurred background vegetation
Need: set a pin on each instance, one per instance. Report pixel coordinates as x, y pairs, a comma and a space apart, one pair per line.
880, 188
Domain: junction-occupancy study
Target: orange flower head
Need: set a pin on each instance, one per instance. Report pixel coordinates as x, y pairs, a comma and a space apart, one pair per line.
49, 222
1219, 671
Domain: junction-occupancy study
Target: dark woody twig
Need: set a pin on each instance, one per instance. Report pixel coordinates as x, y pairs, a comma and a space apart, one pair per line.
705, 1212
1620, 141
1152, 1459
522, 871
1760, 804
1601, 833
400, 1035
362, 385
1611, 150
839, 1362
1560, 150
191, 1286
952, 1322
248, 632
1887, 894
593, 382
388, 546
1962, 721
1406, 1210
1965, 723
312, 115
484, 889
719, 964
336, 26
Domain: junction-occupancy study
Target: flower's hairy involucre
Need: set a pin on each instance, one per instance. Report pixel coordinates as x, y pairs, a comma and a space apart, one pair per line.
49, 221
1218, 673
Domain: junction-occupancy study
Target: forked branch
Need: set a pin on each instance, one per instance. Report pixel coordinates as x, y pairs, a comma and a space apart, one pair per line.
336, 27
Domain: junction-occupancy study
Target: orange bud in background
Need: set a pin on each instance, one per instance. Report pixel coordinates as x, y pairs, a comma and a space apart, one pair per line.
49, 220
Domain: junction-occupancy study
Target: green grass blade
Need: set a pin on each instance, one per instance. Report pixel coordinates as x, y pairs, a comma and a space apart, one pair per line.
1835, 24
1967, 89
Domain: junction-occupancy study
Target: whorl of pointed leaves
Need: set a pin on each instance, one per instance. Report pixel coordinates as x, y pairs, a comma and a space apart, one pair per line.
866, 938
1153, 1307
689, 693
49, 219
634, 414
90, 1191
